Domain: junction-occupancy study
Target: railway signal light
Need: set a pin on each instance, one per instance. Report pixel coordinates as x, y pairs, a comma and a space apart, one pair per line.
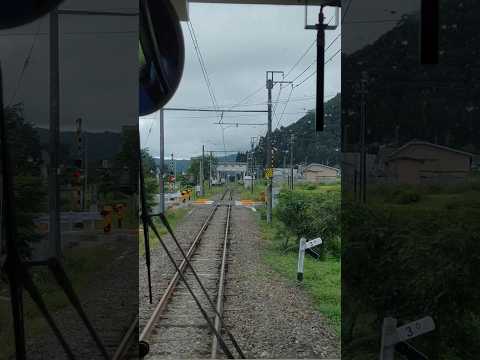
77, 175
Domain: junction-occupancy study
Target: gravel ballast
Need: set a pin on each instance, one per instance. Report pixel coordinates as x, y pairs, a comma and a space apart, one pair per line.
270, 317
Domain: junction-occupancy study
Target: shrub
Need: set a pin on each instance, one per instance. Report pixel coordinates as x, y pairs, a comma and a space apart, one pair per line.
334, 247
311, 215
426, 261
405, 196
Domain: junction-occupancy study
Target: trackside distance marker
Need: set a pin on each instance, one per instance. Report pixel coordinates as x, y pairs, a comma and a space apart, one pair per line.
415, 328
312, 243
304, 245
394, 339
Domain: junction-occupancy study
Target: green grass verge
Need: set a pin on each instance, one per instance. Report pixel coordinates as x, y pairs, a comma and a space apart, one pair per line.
321, 278
214, 190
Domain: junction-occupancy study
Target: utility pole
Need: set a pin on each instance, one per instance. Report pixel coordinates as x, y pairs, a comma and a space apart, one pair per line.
291, 161
53, 196
320, 95
162, 157
210, 171
202, 176
363, 136
269, 84
85, 173
173, 170
320, 84
80, 186
284, 164
429, 31
252, 147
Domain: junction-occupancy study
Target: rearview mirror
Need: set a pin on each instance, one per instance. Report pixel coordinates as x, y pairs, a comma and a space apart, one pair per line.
20, 12
161, 54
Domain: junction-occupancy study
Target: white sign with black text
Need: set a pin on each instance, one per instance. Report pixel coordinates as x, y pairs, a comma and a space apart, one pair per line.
304, 245
312, 243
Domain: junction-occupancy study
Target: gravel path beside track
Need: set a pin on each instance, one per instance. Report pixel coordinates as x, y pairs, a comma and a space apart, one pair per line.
270, 317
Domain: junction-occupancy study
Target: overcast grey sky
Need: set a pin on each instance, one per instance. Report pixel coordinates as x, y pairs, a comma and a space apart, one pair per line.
239, 43
99, 70
98, 58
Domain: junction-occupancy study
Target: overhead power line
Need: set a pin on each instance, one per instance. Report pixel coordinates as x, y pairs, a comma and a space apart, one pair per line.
226, 117
333, 41
286, 103
301, 57
282, 101
275, 104
308, 50
248, 97
242, 124
305, 70
226, 109
344, 13
313, 73
201, 61
216, 110
25, 64
314, 61
150, 130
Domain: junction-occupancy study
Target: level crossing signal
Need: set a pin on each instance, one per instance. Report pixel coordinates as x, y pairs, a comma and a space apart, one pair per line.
269, 173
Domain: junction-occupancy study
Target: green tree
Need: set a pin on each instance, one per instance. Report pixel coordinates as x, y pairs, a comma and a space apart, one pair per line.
151, 183
29, 188
194, 168
127, 158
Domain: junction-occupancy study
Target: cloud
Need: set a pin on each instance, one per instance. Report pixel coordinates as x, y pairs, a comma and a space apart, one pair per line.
239, 44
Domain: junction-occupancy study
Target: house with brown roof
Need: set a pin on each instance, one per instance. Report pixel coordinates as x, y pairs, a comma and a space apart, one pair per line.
421, 162
319, 173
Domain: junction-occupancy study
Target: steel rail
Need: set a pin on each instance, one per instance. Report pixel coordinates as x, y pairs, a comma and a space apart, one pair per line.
161, 305
221, 281
123, 347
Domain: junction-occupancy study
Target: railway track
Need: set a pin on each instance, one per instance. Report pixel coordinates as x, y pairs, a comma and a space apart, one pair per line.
177, 328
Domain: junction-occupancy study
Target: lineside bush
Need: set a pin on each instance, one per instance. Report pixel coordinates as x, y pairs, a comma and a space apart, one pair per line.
311, 214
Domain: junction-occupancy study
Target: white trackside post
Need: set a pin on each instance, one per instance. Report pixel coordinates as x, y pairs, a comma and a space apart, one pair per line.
389, 331
301, 256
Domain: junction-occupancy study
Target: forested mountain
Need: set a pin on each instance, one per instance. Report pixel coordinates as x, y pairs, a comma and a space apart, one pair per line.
407, 100
308, 145
100, 146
